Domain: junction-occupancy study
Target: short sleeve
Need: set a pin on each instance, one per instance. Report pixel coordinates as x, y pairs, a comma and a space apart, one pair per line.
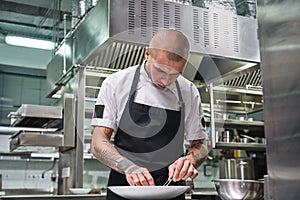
105, 110
195, 123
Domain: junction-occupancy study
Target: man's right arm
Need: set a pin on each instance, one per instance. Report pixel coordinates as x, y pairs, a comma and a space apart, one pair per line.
106, 153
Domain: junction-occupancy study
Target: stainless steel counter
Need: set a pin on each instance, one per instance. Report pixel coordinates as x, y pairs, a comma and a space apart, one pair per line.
54, 197
203, 193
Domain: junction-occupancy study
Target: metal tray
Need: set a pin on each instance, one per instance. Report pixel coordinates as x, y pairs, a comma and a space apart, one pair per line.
37, 116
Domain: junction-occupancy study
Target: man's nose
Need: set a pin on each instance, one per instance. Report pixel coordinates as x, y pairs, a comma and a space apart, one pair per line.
166, 80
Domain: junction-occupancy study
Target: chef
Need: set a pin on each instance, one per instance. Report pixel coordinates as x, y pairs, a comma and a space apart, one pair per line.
151, 113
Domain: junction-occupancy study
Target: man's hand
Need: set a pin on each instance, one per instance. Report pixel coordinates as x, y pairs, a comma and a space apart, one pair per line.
182, 169
186, 167
106, 153
138, 176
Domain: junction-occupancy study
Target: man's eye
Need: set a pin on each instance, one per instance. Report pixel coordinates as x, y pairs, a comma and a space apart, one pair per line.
159, 70
174, 75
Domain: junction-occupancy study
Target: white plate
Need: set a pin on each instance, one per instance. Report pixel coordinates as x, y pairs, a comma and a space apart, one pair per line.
148, 192
80, 190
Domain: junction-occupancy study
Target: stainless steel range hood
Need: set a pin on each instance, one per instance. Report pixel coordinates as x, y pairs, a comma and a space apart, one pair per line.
114, 33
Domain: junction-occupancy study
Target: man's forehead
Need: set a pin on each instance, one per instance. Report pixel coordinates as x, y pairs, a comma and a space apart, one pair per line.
166, 68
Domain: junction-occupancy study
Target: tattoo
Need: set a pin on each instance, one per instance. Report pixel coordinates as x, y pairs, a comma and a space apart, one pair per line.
107, 131
106, 157
106, 153
132, 169
198, 152
124, 164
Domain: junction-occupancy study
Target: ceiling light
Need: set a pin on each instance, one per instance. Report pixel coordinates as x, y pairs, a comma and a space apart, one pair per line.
29, 42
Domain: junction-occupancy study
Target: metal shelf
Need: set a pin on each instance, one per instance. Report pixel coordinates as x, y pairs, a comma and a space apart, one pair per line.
238, 124
243, 146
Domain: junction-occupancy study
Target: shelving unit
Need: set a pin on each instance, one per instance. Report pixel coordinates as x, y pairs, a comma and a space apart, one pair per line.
218, 123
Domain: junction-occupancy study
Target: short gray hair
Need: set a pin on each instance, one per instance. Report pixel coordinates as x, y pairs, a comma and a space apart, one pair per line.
172, 41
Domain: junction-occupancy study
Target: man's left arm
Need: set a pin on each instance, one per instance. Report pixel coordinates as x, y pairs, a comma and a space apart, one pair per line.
197, 153
186, 167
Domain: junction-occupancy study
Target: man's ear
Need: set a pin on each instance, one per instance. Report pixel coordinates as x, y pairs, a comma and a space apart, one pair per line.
147, 53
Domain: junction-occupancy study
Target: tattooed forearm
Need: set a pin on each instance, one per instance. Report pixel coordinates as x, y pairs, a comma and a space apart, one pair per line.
126, 166
106, 157
106, 153
198, 152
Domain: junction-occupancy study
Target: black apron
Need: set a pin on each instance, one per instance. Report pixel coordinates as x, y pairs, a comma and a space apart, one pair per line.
151, 137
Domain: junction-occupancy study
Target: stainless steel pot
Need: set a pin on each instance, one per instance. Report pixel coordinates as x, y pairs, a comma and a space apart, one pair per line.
241, 168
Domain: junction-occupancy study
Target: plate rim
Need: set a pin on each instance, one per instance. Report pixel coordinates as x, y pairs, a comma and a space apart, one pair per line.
175, 193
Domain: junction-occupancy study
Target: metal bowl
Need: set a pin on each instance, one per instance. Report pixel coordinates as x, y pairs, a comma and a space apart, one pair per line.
236, 189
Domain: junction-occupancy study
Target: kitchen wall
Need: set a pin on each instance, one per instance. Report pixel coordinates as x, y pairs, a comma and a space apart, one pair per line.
22, 78
17, 89
26, 173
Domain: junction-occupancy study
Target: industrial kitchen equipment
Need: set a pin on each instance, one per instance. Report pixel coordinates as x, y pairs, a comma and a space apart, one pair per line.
101, 44
50, 125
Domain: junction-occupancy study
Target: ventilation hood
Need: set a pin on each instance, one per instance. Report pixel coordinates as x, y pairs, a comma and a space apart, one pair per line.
114, 33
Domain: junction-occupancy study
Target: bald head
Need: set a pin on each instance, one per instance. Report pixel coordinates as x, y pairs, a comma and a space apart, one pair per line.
171, 41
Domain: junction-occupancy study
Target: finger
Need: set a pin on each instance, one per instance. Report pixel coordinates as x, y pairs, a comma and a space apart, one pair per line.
149, 178
190, 172
179, 165
142, 180
171, 171
186, 169
129, 180
136, 180
195, 174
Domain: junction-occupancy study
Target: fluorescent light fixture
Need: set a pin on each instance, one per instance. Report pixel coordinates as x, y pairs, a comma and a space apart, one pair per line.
29, 42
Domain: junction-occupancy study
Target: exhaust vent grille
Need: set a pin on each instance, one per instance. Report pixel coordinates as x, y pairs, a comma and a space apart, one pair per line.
216, 30
235, 34
226, 33
206, 28
166, 15
131, 13
196, 27
155, 17
144, 18
177, 18
119, 56
253, 79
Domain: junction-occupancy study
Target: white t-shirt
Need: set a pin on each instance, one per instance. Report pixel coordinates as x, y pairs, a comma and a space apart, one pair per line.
115, 90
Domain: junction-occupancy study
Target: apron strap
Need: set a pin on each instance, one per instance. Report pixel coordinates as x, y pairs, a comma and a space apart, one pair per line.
134, 84
181, 105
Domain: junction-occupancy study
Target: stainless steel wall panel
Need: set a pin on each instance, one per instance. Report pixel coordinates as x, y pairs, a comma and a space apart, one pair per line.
93, 31
280, 49
69, 120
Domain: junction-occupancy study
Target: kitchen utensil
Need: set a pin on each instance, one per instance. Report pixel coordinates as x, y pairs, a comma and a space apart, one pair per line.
167, 182
148, 192
237, 168
251, 138
229, 189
